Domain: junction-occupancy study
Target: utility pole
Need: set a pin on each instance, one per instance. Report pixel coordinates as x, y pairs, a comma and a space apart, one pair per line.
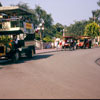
41, 29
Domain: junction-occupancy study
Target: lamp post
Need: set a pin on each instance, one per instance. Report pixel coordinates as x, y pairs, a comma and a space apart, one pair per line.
41, 29
64, 32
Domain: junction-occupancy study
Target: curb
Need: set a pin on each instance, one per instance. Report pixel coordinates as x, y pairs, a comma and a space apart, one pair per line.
47, 51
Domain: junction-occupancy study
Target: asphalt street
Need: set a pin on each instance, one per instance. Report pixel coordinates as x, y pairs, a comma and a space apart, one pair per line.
52, 75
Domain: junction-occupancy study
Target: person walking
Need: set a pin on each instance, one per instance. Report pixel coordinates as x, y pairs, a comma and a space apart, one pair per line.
57, 45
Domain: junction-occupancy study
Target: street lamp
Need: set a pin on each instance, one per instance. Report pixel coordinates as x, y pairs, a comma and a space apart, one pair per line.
41, 29
64, 32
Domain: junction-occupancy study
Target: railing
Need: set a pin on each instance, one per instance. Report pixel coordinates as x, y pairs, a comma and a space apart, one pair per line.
16, 24
10, 23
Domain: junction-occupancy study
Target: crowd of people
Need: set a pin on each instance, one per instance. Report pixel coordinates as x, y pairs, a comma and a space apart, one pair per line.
71, 42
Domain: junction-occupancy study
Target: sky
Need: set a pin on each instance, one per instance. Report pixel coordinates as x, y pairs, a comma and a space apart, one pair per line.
65, 12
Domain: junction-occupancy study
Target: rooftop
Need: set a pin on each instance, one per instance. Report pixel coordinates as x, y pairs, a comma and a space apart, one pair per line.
15, 9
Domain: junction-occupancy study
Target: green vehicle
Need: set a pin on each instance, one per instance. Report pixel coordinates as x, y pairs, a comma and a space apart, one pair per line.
17, 35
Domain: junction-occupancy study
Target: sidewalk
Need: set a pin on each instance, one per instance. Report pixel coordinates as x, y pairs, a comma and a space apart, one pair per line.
40, 51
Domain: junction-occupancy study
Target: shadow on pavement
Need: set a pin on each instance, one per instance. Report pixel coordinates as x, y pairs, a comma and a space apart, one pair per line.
98, 61
1, 67
24, 59
55, 51
37, 57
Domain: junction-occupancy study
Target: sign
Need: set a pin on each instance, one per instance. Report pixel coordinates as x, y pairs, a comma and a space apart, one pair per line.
28, 28
29, 43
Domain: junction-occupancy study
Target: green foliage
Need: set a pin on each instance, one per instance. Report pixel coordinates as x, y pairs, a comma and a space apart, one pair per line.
47, 39
57, 30
98, 3
37, 36
96, 14
42, 14
78, 28
4, 39
92, 30
23, 5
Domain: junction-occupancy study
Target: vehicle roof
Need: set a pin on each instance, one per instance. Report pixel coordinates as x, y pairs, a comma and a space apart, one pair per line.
14, 9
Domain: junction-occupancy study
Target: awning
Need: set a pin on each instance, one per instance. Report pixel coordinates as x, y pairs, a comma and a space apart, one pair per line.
15, 9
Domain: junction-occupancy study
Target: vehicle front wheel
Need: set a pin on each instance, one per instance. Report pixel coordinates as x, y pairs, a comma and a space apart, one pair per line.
30, 53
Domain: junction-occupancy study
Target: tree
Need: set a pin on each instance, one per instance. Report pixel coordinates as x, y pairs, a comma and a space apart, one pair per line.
96, 14
23, 5
58, 30
77, 28
98, 3
47, 39
92, 30
42, 15
0, 4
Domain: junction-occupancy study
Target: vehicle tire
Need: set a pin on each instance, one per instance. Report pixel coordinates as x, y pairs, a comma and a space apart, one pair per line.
16, 57
30, 53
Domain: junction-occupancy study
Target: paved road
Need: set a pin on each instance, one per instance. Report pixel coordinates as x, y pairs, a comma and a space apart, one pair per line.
62, 74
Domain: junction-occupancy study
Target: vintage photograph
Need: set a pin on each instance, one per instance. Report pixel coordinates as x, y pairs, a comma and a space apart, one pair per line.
49, 49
